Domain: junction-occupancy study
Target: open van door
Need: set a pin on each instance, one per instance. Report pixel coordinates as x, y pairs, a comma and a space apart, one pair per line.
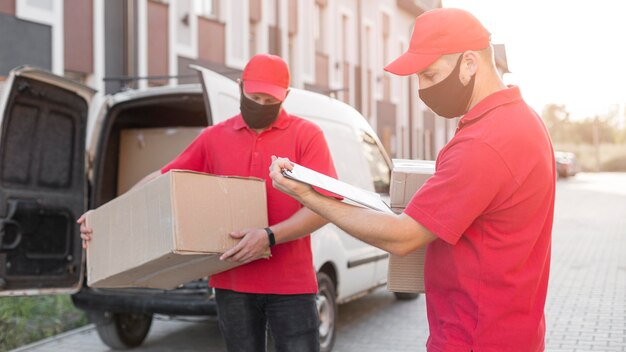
43, 185
221, 95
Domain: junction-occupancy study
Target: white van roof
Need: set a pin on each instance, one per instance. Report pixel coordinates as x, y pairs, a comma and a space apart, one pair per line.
133, 94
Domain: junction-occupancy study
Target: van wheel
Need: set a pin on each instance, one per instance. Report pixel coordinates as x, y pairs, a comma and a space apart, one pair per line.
327, 311
121, 331
406, 296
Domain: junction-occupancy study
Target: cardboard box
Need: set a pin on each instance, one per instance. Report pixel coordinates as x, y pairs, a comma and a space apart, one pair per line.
171, 230
143, 151
407, 176
406, 274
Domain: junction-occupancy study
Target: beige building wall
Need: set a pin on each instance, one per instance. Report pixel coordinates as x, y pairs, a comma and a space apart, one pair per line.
336, 47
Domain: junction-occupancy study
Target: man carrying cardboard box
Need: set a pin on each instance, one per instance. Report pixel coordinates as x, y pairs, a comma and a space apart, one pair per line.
486, 214
279, 291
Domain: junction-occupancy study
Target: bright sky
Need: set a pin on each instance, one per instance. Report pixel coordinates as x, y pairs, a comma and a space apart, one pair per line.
559, 51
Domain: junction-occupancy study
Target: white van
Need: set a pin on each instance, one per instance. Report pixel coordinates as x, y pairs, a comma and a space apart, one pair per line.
47, 181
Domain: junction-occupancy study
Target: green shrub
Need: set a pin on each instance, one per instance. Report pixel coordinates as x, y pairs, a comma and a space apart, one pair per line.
27, 319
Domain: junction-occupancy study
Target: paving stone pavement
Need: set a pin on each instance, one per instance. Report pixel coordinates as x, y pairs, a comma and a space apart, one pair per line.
585, 311
586, 308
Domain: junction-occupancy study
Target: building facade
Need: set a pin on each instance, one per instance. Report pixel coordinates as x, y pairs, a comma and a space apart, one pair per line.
335, 47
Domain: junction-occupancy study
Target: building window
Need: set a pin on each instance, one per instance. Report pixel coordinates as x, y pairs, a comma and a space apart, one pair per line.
368, 80
207, 8
319, 28
253, 38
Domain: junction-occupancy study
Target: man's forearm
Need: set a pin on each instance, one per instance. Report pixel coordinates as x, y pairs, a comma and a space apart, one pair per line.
397, 234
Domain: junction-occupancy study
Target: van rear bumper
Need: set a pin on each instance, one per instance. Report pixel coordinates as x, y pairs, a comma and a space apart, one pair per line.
185, 301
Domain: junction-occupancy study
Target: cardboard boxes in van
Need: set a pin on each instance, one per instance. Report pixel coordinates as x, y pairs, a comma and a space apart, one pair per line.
171, 230
406, 274
145, 150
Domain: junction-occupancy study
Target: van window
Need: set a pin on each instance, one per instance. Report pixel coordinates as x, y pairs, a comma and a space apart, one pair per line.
377, 164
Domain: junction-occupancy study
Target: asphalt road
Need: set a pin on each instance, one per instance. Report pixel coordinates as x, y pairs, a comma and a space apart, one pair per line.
586, 308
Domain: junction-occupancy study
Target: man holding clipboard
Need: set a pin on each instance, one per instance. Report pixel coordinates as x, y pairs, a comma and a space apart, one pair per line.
486, 213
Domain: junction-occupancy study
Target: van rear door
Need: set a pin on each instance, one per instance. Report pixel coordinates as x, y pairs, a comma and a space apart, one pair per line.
221, 95
43, 187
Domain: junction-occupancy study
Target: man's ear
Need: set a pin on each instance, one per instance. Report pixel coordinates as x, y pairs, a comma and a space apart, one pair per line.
469, 66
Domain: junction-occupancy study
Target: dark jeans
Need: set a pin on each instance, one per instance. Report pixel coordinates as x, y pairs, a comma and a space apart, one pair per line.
292, 320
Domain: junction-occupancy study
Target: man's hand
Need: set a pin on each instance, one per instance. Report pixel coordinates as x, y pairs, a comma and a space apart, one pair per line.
297, 190
254, 245
85, 232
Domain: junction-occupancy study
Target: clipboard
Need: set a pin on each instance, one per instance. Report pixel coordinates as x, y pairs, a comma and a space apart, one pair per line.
360, 196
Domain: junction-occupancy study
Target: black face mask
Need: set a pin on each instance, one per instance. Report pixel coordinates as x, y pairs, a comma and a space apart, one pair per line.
258, 116
449, 98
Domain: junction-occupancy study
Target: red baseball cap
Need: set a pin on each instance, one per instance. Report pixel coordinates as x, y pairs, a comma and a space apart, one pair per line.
268, 74
439, 32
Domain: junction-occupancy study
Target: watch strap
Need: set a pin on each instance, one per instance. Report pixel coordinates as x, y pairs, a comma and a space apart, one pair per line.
270, 236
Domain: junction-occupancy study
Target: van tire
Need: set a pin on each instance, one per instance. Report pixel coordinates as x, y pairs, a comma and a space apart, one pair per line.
121, 331
406, 296
327, 310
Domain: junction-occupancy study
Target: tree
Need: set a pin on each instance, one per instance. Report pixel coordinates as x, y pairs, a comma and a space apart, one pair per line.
556, 118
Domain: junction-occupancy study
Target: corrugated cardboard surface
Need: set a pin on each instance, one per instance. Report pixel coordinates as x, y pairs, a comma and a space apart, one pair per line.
143, 151
406, 274
407, 176
171, 230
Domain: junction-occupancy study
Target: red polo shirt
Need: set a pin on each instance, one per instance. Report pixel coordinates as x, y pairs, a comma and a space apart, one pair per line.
231, 148
491, 203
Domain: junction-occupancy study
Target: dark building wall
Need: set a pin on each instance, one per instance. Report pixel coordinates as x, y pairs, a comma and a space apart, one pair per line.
275, 40
386, 126
255, 10
158, 41
184, 70
27, 43
211, 40
7, 6
78, 35
114, 43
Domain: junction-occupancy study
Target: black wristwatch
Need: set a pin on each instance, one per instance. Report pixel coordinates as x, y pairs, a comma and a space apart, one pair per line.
270, 236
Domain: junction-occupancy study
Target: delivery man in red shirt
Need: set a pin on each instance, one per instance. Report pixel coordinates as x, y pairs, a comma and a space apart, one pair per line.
278, 292
486, 214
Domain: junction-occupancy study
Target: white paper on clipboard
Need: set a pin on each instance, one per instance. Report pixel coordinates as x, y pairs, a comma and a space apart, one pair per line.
365, 198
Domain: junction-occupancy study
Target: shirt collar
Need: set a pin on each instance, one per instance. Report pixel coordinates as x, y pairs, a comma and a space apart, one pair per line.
502, 97
281, 122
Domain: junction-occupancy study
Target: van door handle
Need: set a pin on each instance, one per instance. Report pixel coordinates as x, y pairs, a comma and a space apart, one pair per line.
8, 222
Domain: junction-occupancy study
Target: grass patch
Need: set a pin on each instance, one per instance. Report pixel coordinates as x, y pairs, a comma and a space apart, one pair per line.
27, 319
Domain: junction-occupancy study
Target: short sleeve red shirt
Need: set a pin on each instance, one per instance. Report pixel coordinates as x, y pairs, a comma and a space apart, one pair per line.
231, 148
491, 203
